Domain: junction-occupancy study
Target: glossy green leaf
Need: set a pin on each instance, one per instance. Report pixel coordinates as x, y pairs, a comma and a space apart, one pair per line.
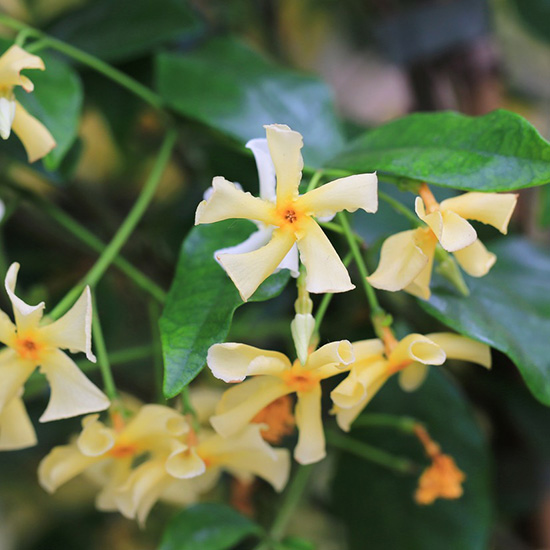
56, 102
202, 300
235, 90
508, 309
496, 152
123, 29
207, 527
377, 505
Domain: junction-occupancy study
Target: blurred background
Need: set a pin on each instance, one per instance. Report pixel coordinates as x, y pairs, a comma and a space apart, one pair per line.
381, 60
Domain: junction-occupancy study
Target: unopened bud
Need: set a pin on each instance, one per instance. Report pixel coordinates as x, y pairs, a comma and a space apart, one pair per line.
302, 328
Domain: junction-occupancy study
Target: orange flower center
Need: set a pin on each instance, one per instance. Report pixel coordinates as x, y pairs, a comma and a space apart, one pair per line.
123, 450
300, 379
290, 217
28, 348
279, 419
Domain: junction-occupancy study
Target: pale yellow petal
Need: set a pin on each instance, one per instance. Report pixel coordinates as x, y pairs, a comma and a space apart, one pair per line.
249, 270
311, 437
12, 62
204, 400
368, 349
62, 464
112, 476
325, 271
457, 232
401, 262
26, 317
462, 348
16, 429
72, 393
351, 193
412, 377
491, 208
232, 362
36, 138
475, 259
73, 331
433, 219
284, 147
155, 420
253, 394
416, 347
338, 354
14, 372
420, 286
7, 330
185, 463
229, 202
95, 439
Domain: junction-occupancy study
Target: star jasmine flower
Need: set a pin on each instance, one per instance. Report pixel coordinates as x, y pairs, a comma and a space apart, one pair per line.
35, 137
292, 218
29, 345
409, 358
406, 258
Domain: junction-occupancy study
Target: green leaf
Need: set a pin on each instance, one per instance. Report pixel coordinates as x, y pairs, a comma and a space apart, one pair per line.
535, 14
56, 102
208, 527
508, 309
123, 29
377, 505
202, 300
232, 88
496, 152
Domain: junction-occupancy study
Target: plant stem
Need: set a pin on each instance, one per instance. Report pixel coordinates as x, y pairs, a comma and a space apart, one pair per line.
401, 208
86, 59
370, 453
338, 229
125, 230
405, 424
314, 181
189, 409
102, 356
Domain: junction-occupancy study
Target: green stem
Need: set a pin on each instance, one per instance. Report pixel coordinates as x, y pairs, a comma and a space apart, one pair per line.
86, 59
102, 356
331, 226
314, 181
125, 230
376, 310
370, 453
401, 208
405, 424
189, 409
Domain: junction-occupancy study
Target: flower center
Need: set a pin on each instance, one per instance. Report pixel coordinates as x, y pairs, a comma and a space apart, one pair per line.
28, 348
299, 379
289, 216
123, 450
279, 419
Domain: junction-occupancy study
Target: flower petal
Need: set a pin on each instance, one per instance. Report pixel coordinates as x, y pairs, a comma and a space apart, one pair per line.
233, 362
95, 439
240, 404
475, 259
311, 437
155, 420
457, 232
229, 202
351, 193
415, 347
12, 62
265, 166
72, 393
14, 372
36, 138
491, 208
462, 348
284, 147
251, 269
401, 261
7, 330
185, 463
26, 317
368, 349
412, 377
325, 271
337, 354
73, 331
425, 240
16, 429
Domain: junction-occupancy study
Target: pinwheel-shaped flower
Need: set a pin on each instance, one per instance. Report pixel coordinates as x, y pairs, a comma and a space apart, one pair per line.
272, 376
406, 258
410, 358
35, 137
30, 345
291, 216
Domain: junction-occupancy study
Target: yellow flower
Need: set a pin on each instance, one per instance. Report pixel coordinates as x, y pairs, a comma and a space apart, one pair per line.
30, 345
292, 217
273, 375
406, 258
35, 137
409, 357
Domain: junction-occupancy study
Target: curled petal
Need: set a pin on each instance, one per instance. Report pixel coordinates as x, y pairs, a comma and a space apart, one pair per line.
16, 429
185, 463
475, 259
284, 147
311, 437
251, 269
416, 348
351, 193
368, 349
325, 271
12, 62
73, 331
229, 202
232, 362
14, 372
26, 317
491, 208
95, 439
36, 138
412, 377
156, 421
72, 393
420, 286
336, 354
265, 166
462, 348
